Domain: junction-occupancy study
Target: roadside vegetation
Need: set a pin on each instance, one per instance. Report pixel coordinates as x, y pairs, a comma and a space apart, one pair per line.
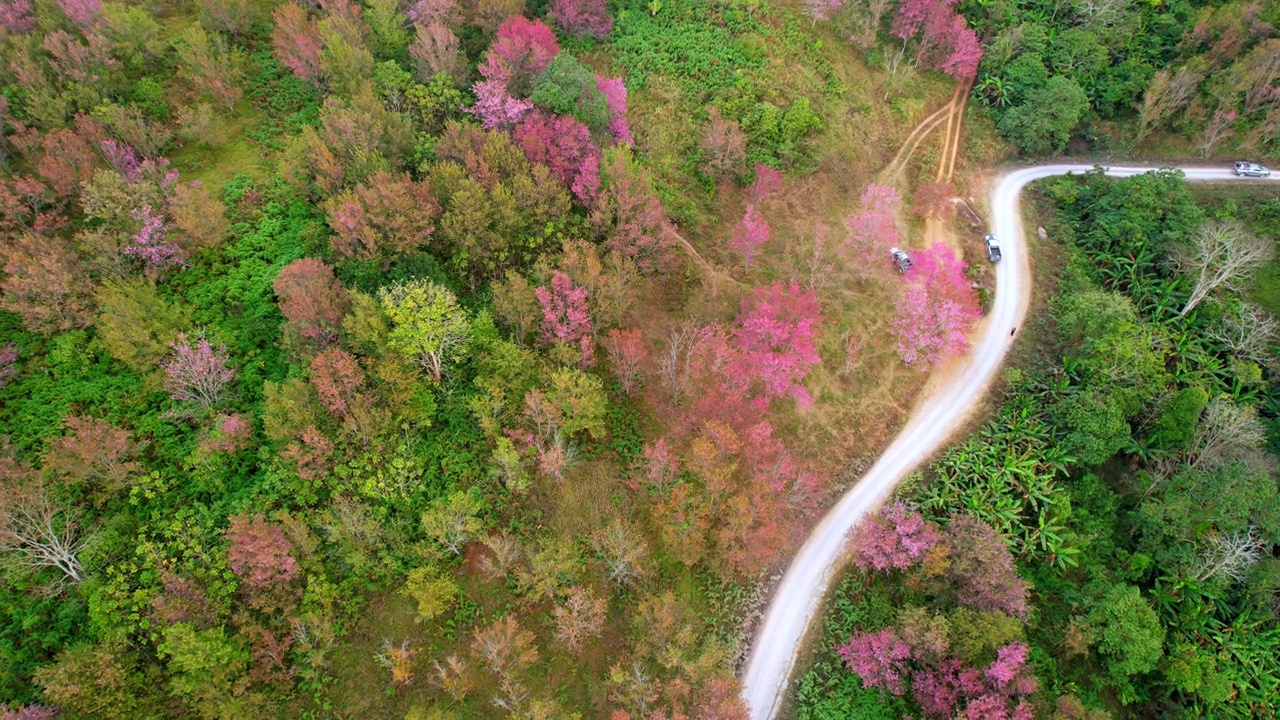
1129, 470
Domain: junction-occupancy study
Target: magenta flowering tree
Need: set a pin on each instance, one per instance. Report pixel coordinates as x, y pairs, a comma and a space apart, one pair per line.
895, 538
777, 333
939, 690
197, 373
495, 107
1008, 673
583, 18
910, 17
521, 51
566, 318
957, 50
658, 465
982, 568
123, 160
615, 95
150, 243
586, 184
879, 659
874, 230
83, 13
749, 235
295, 37
563, 144
17, 16
947, 43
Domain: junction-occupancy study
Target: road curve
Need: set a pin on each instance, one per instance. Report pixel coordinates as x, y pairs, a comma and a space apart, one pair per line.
806, 582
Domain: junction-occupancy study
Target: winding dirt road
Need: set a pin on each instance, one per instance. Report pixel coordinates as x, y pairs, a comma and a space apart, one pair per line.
941, 412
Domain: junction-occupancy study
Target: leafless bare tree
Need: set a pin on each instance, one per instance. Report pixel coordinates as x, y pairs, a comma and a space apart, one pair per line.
1168, 93
1247, 332
1225, 430
1222, 254
38, 532
1230, 554
504, 553
623, 550
677, 357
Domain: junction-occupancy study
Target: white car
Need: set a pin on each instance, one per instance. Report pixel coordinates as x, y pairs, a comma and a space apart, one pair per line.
900, 259
993, 248
1248, 169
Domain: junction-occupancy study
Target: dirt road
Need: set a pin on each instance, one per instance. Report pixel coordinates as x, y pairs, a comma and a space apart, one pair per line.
945, 409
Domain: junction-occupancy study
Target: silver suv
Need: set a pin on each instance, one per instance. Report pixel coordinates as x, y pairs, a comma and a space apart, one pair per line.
1248, 169
993, 248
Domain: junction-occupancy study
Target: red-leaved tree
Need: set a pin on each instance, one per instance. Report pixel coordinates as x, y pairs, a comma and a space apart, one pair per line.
312, 300
895, 538
45, 283
564, 145
777, 333
628, 353
336, 376
295, 37
262, 557
389, 216
749, 235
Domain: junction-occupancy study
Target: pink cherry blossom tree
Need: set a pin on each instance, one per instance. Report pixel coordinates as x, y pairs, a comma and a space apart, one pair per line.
982, 568
879, 659
767, 182
198, 373
150, 243
822, 9
17, 16
495, 107
83, 13
563, 144
870, 233
522, 50
935, 313
615, 94
777, 332
566, 318
434, 50
426, 12
895, 538
295, 37
8, 362
749, 235
583, 18
938, 690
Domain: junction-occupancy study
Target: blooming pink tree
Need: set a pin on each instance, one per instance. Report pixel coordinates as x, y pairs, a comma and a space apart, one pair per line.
935, 313
123, 159
938, 690
151, 244
495, 107
566, 318
615, 94
312, 300
874, 230
879, 659
749, 235
767, 182
521, 51
17, 16
822, 9
779, 325
658, 465
262, 557
960, 51
295, 37
426, 12
197, 373
895, 538
8, 363
628, 353
583, 18
83, 13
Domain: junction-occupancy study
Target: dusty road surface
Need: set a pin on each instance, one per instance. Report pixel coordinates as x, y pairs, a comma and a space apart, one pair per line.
939, 414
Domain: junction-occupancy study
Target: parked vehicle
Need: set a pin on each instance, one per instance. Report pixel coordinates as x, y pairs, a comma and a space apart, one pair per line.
1248, 169
901, 259
993, 248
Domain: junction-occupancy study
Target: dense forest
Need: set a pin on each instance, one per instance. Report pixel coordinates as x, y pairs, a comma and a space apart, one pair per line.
438, 359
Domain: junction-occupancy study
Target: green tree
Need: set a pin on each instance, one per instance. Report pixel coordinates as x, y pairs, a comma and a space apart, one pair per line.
428, 326
454, 520
207, 670
1129, 634
136, 325
567, 87
581, 400
434, 592
1044, 123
